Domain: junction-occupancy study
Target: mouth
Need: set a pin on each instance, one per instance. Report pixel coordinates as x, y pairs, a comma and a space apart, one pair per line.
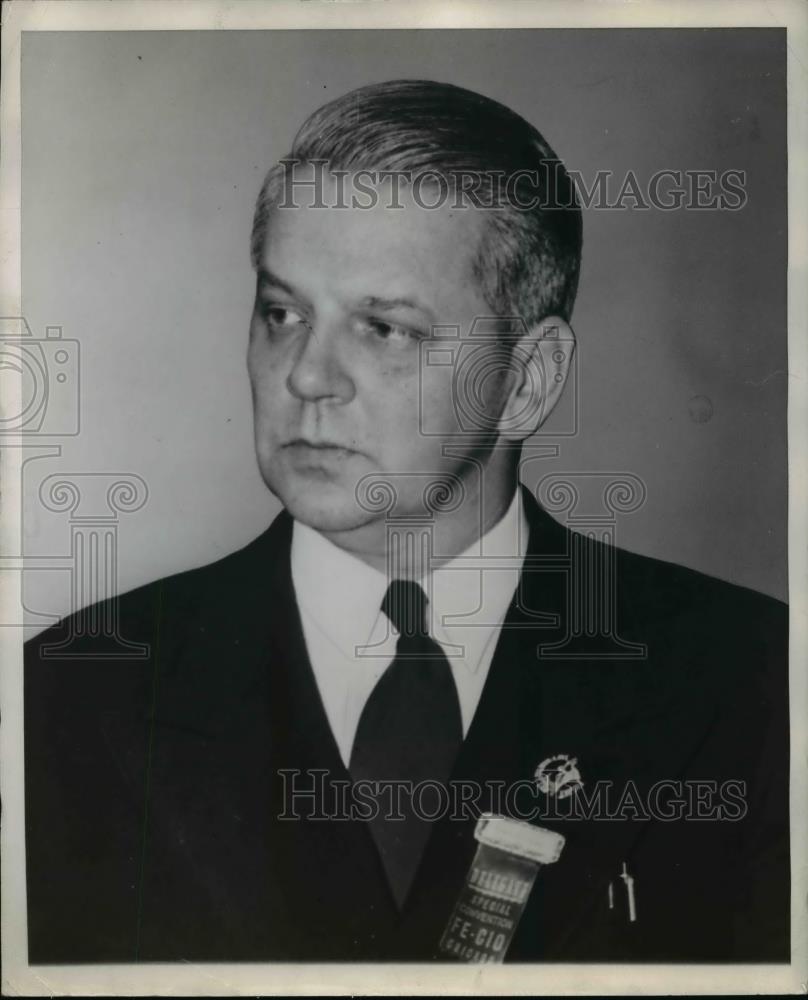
314, 452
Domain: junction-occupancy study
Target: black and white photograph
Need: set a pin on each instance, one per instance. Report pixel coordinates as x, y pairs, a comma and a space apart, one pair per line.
403, 541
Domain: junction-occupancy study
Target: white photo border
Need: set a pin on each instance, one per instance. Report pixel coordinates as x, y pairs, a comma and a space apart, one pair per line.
20, 979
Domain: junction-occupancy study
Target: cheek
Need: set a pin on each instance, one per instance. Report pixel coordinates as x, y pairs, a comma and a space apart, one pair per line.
439, 411
265, 375
385, 390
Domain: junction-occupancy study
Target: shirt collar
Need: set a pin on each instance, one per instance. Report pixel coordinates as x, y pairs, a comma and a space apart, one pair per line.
469, 600
343, 595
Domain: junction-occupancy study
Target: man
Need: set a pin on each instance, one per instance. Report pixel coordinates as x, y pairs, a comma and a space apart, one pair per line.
411, 620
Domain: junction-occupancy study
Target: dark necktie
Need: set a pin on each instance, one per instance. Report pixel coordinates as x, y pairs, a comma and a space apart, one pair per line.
410, 730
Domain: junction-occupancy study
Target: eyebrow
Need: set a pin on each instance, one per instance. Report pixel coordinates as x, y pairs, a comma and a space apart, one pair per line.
375, 302
267, 277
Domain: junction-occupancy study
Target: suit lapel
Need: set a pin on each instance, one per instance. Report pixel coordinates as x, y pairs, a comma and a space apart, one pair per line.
329, 869
236, 710
626, 724
534, 708
207, 810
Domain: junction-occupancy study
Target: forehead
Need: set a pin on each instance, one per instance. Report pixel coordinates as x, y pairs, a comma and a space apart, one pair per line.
356, 251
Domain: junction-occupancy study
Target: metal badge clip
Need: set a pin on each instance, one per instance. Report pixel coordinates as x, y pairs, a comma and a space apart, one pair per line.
629, 883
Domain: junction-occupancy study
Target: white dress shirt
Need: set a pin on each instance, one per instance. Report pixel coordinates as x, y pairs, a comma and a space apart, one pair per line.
351, 642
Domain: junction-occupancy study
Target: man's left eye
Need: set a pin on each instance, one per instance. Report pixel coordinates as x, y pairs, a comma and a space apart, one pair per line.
391, 332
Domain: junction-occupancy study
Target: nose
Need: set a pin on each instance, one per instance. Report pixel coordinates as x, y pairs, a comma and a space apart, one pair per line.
318, 373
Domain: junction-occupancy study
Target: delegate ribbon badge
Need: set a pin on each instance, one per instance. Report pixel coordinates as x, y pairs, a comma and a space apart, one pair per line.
497, 887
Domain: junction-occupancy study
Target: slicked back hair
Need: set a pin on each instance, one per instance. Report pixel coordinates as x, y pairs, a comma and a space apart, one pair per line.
528, 260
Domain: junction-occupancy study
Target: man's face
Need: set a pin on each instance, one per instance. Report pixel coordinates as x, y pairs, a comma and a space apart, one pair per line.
344, 299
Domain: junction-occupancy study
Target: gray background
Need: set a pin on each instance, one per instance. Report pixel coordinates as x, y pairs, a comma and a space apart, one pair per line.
143, 153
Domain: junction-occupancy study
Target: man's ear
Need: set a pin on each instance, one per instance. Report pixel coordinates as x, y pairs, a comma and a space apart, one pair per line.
540, 364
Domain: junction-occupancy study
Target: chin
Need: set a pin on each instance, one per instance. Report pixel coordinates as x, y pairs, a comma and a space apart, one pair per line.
323, 506
328, 517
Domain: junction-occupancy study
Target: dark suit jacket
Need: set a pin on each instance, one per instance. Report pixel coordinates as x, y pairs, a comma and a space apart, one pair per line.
152, 787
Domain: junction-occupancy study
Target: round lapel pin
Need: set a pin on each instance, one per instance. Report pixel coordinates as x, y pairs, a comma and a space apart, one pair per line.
558, 776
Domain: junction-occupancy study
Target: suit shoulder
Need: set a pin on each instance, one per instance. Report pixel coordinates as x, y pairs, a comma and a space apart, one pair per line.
672, 590
656, 589
138, 614
714, 634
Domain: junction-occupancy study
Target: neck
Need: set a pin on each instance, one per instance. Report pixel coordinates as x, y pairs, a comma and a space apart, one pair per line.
412, 548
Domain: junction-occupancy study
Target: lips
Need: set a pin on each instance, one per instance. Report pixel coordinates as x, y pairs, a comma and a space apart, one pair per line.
317, 445
318, 455
303, 444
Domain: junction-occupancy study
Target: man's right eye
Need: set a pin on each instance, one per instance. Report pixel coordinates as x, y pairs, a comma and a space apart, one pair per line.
282, 317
